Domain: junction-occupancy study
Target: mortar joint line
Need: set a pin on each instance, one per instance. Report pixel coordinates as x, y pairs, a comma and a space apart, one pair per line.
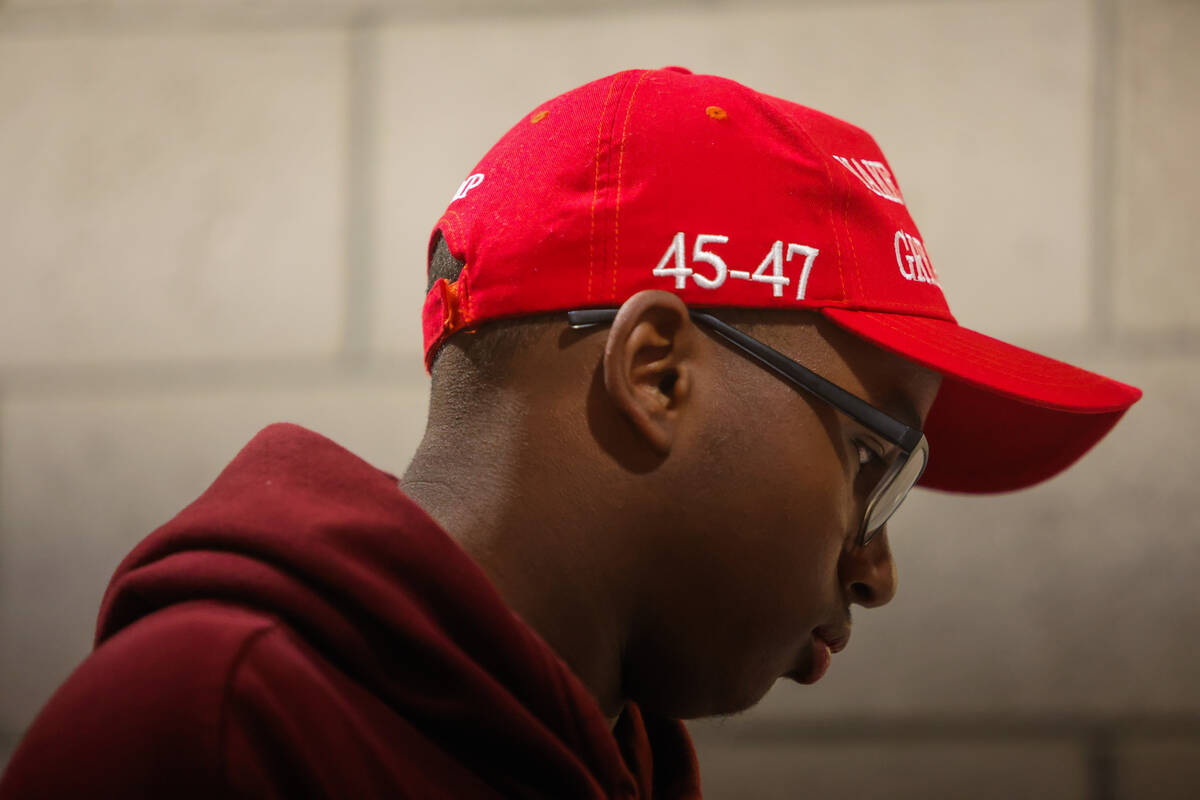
1103, 237
361, 91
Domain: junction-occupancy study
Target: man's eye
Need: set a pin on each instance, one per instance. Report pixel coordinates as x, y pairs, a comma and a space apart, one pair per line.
867, 456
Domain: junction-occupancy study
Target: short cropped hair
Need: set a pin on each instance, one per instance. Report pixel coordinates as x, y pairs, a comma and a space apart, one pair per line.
483, 355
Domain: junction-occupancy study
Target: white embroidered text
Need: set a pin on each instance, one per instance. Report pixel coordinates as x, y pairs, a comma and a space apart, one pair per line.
467, 185
913, 261
874, 175
770, 271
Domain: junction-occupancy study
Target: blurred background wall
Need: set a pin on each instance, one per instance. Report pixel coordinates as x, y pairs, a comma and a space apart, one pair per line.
213, 216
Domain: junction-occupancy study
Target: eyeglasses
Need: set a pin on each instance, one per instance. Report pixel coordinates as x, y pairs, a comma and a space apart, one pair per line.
903, 470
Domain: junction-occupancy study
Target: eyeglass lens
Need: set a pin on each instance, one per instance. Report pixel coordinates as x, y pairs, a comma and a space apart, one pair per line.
892, 495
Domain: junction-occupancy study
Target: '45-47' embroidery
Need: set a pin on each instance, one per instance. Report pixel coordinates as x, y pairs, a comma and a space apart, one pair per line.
770, 271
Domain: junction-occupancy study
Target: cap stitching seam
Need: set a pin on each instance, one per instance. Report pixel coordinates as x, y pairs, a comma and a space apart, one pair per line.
845, 215
990, 360
596, 187
998, 366
452, 238
456, 224
926, 310
611, 135
463, 282
853, 250
450, 229
829, 179
620, 173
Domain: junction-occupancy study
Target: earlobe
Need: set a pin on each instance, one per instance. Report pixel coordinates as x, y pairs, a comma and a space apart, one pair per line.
648, 365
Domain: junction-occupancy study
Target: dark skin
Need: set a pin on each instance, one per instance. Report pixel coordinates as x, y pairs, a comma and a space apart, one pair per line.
674, 521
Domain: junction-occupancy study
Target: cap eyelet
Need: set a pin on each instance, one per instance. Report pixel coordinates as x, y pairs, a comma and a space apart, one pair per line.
716, 112
538, 117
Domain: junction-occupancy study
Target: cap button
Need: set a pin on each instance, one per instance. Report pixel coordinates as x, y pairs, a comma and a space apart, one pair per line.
683, 70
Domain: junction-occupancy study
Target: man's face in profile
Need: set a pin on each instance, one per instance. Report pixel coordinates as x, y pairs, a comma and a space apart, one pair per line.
755, 531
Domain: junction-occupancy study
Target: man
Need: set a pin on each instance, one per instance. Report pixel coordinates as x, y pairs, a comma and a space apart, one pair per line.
689, 354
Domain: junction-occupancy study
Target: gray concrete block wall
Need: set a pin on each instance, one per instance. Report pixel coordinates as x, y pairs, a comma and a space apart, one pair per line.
172, 196
215, 218
1157, 174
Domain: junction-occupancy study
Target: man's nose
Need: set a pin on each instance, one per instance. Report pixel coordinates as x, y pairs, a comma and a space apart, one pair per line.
868, 574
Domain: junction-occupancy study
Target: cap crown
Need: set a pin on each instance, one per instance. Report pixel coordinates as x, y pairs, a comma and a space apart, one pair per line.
695, 184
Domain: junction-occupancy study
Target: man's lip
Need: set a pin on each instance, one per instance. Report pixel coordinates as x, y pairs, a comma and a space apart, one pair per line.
821, 658
826, 640
836, 638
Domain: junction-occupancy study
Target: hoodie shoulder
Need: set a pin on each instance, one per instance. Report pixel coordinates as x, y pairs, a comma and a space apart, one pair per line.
286, 443
142, 715
297, 725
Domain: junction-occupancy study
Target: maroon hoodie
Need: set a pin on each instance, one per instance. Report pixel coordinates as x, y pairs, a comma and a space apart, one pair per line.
303, 629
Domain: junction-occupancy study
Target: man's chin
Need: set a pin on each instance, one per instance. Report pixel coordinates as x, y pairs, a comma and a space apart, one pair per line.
727, 701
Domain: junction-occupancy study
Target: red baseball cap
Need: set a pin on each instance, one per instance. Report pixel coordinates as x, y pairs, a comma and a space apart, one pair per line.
698, 185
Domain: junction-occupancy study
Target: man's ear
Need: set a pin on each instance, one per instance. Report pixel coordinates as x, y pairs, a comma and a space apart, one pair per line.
649, 364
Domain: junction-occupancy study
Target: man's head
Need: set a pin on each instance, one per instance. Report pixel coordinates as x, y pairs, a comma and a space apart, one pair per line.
728, 500
712, 505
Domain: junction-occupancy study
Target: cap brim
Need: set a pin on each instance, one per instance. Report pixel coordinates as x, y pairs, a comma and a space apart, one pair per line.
1005, 417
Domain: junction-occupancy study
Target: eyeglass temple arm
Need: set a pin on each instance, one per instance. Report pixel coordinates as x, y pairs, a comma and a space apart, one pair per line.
885, 425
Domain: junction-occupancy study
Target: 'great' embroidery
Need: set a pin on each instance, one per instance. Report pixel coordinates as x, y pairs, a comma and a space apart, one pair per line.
913, 261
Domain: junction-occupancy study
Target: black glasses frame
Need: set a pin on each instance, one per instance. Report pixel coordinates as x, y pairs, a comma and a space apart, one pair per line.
909, 440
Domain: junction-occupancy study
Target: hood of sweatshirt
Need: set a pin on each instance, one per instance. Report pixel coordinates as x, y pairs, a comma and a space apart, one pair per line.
301, 529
